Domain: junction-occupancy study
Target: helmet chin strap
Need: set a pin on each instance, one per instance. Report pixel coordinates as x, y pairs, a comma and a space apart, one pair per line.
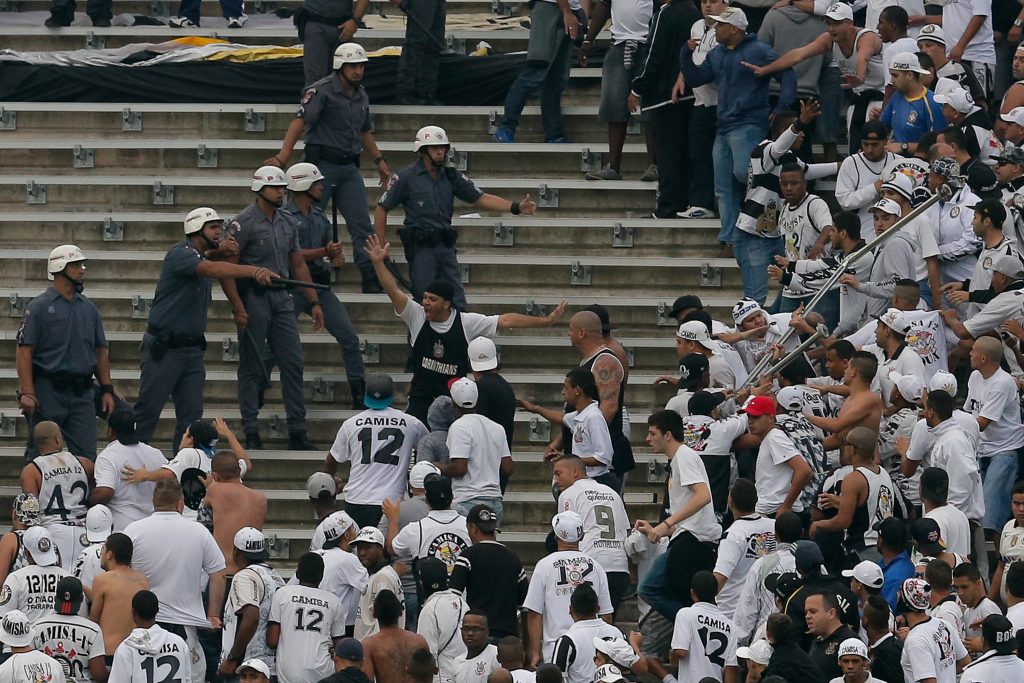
78, 285
436, 164
273, 202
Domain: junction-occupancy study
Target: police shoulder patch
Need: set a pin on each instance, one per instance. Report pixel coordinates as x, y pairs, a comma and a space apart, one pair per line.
308, 95
392, 180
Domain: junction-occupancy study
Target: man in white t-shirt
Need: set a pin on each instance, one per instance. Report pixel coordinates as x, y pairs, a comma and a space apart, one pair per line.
99, 524
747, 539
175, 553
30, 589
691, 525
304, 625
954, 527
70, 638
442, 534
554, 579
369, 545
704, 638
478, 453
574, 650
25, 663
967, 28
999, 663
151, 653
781, 473
605, 522
127, 502
1010, 545
932, 650
378, 443
344, 575
481, 657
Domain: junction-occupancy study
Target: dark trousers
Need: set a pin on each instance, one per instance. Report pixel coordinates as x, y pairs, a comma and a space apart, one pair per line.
63, 11
673, 147
318, 45
618, 584
179, 374
74, 413
686, 557
703, 124
437, 263
421, 51
190, 9
364, 515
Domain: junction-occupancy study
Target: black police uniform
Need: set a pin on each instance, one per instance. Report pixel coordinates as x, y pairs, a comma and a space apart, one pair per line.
172, 348
428, 236
64, 335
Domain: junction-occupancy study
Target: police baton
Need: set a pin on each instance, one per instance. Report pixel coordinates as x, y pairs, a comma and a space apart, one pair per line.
282, 282
402, 280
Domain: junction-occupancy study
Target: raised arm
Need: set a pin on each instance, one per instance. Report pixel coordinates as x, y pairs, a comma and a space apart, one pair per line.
509, 321
378, 251
818, 46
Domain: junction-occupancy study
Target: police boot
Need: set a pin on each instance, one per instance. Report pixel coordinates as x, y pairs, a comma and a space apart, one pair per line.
253, 442
358, 389
370, 283
299, 441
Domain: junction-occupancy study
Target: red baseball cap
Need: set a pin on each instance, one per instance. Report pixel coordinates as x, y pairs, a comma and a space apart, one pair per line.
760, 405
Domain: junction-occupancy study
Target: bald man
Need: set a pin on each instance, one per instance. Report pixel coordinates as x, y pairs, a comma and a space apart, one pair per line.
500, 676
992, 399
233, 505
61, 481
586, 336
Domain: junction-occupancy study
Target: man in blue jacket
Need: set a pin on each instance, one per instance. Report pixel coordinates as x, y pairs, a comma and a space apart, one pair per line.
743, 110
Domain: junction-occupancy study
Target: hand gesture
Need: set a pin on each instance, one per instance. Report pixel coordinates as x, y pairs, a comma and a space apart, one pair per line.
526, 405
554, 315
264, 276
809, 110
348, 29
385, 173
849, 280
107, 404
959, 297
633, 103
902, 444
391, 508
377, 249
759, 71
273, 161
775, 273
317, 314
851, 81
527, 206
1013, 327
572, 24
228, 247
222, 427
28, 403
132, 475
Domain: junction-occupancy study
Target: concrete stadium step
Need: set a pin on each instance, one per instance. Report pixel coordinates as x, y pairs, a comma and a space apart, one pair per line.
399, 122
137, 192
212, 8
33, 153
123, 231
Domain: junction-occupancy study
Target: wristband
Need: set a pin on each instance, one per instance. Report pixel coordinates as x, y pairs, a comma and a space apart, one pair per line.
315, 303
107, 389
587, 42
514, 209
379, 159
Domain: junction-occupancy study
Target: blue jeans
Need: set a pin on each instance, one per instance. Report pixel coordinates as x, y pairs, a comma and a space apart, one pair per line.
754, 255
654, 589
344, 183
731, 157
998, 475
464, 507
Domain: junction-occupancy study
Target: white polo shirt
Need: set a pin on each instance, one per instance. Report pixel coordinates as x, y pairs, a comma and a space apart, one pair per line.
482, 442
131, 502
590, 437
996, 399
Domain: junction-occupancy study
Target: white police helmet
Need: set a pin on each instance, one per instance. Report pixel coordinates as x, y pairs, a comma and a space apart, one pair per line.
302, 176
266, 176
349, 53
197, 218
428, 136
61, 257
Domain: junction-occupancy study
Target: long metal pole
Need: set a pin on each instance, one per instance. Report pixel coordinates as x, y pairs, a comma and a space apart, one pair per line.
819, 333
944, 193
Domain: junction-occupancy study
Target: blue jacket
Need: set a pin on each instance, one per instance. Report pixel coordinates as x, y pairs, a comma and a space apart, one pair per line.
898, 570
742, 96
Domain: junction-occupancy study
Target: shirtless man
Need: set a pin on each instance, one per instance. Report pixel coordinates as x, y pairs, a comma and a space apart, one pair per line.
113, 590
233, 504
387, 653
862, 408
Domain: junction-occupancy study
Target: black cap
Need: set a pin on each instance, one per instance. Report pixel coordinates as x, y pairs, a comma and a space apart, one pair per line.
927, 536
203, 433
782, 585
602, 313
684, 302
122, 422
484, 518
438, 491
692, 367
68, 596
442, 288
703, 402
999, 633
935, 481
892, 531
433, 574
992, 209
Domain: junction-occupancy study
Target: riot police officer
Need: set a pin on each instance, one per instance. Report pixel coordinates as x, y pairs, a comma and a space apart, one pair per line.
172, 348
61, 347
266, 315
427, 190
335, 112
306, 184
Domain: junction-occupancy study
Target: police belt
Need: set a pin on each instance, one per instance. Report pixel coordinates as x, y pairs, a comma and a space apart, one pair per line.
64, 381
320, 19
428, 237
176, 340
315, 153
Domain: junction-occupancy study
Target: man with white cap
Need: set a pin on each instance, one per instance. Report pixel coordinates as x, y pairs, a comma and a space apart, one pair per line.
369, 545
952, 220
989, 220
912, 110
378, 442
554, 579
68, 637
247, 610
497, 398
478, 453
344, 575
441, 534
894, 356
30, 589
127, 502
931, 40
254, 671
694, 337
25, 663
854, 663
900, 188
99, 524
150, 650
1000, 663
304, 624
1013, 128
906, 398
866, 579
896, 259
960, 110
757, 331
323, 493
932, 650
757, 656
1004, 309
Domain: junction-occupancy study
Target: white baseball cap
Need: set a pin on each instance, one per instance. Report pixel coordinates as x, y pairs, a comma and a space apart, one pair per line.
256, 665
482, 354
887, 206
99, 523
839, 11
852, 646
958, 99
420, 471
320, 483
867, 572
618, 650
1015, 115
15, 628
906, 61
733, 16
252, 542
932, 32
696, 331
370, 534
943, 381
791, 399
911, 387
745, 308
894, 319
900, 183
40, 545
464, 392
568, 526
336, 525
760, 652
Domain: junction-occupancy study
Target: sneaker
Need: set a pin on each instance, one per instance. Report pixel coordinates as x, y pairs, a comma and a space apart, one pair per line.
559, 140
53, 23
299, 441
181, 22
650, 175
253, 442
607, 173
697, 212
504, 135
238, 22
